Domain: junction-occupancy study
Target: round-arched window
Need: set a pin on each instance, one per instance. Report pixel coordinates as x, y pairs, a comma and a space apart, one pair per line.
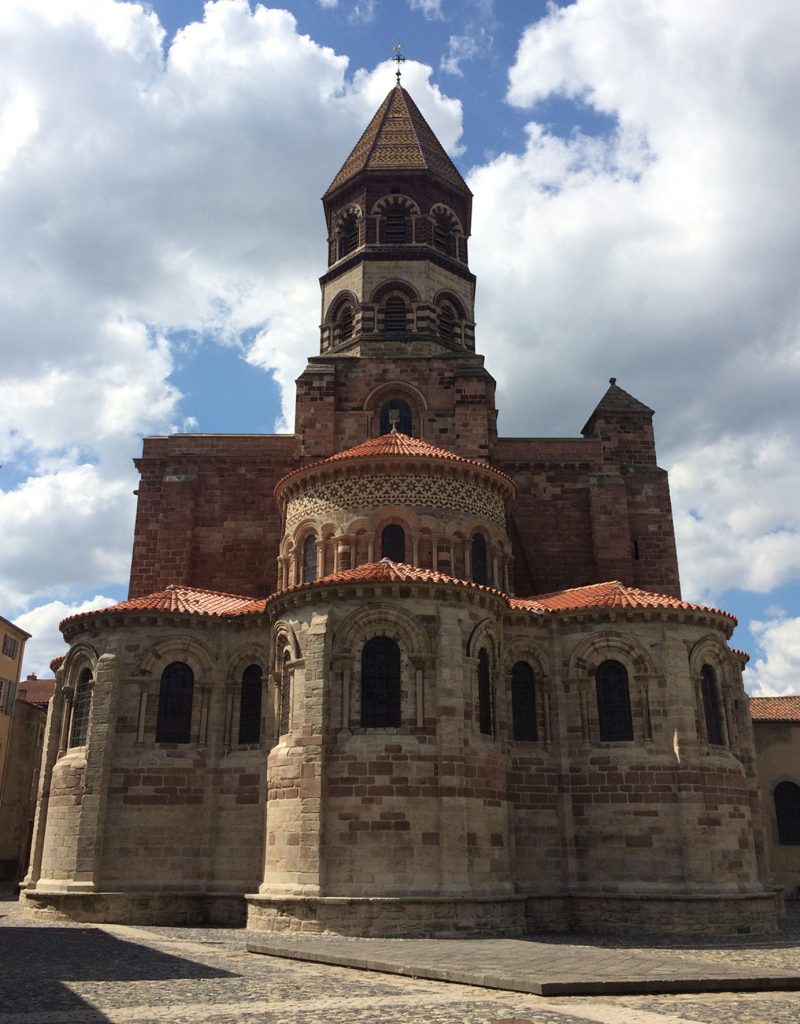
396, 414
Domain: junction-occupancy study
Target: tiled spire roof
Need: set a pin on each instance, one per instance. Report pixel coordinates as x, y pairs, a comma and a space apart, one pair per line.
616, 401
775, 709
398, 138
183, 600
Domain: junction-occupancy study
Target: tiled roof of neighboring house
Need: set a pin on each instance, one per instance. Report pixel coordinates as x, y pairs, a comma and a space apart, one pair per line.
775, 709
180, 599
612, 594
398, 138
36, 691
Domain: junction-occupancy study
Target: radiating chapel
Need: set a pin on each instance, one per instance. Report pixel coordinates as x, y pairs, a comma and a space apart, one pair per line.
394, 673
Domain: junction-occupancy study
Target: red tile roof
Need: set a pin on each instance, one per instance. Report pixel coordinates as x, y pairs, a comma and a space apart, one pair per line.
36, 691
386, 570
612, 594
57, 662
181, 600
775, 709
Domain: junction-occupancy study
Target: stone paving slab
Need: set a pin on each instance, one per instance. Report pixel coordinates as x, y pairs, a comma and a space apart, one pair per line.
537, 968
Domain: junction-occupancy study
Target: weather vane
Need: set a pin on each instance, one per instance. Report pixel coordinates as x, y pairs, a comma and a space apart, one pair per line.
398, 59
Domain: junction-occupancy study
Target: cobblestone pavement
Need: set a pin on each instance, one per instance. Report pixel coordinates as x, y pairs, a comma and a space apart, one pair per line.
56, 972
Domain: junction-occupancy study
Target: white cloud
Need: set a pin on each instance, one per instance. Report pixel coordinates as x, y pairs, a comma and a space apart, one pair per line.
328, 3
459, 49
777, 671
46, 641
665, 255
430, 8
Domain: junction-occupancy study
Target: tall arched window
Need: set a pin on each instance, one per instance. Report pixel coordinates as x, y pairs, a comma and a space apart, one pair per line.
441, 234
396, 228
393, 543
447, 323
380, 683
343, 328
250, 705
402, 417
480, 572
284, 716
394, 315
711, 705
484, 693
523, 702
787, 813
174, 721
309, 559
81, 706
613, 701
348, 235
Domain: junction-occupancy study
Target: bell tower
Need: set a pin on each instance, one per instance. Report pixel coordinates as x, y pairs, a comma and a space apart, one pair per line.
397, 334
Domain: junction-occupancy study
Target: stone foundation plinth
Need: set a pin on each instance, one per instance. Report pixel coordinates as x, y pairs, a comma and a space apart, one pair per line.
661, 913
401, 917
164, 908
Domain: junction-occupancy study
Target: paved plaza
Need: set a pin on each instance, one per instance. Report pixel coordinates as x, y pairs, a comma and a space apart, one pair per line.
56, 972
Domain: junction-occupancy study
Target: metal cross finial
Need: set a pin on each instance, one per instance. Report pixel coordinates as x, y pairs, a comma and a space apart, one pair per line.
398, 59
394, 419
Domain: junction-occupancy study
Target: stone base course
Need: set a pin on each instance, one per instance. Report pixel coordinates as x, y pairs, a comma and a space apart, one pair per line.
179, 909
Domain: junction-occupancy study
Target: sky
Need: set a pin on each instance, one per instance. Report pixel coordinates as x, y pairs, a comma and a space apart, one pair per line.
636, 215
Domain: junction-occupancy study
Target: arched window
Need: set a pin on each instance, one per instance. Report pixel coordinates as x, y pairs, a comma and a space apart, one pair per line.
484, 693
402, 419
286, 696
441, 234
393, 543
613, 701
174, 722
787, 813
480, 572
447, 323
380, 683
396, 228
523, 702
81, 707
394, 315
250, 705
343, 328
711, 705
309, 559
348, 235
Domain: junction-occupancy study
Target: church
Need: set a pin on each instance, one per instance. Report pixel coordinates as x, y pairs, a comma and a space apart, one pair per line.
394, 673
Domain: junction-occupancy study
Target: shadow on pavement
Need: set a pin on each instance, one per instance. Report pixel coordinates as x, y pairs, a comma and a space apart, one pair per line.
38, 961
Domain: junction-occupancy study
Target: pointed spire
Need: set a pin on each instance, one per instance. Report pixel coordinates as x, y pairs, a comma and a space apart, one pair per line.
615, 402
398, 138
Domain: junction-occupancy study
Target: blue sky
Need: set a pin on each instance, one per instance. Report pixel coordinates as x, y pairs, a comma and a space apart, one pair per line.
636, 215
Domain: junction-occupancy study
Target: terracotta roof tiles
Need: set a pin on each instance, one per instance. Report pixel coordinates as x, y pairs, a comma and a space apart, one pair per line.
775, 709
36, 691
181, 600
612, 594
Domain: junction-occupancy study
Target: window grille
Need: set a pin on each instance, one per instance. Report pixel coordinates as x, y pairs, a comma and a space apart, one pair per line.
787, 813
441, 236
309, 559
380, 683
711, 705
394, 315
396, 228
348, 236
447, 323
250, 705
344, 323
393, 543
81, 705
479, 560
523, 702
613, 702
174, 721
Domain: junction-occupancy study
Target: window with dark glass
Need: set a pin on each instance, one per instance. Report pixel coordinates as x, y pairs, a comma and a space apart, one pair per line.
81, 706
286, 696
309, 559
479, 561
250, 705
447, 323
484, 693
174, 721
523, 702
613, 702
787, 813
394, 315
393, 543
402, 419
380, 683
711, 705
396, 228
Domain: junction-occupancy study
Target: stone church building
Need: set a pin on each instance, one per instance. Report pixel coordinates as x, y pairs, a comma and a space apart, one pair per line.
395, 674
